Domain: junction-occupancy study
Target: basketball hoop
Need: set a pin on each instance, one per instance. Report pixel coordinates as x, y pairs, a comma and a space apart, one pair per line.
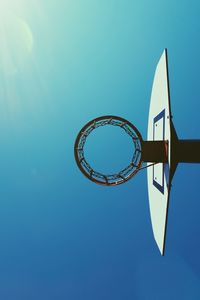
108, 179
162, 151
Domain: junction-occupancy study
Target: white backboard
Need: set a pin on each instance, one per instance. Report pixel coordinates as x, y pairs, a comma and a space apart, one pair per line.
159, 128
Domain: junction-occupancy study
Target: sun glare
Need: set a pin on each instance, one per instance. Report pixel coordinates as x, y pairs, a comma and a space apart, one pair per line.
17, 56
16, 40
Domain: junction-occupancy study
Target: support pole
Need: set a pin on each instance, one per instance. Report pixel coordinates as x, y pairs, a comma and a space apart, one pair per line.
183, 151
186, 151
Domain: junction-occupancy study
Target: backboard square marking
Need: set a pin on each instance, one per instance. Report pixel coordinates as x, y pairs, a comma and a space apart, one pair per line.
159, 134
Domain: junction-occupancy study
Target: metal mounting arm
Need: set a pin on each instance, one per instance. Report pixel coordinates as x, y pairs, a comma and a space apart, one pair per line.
155, 151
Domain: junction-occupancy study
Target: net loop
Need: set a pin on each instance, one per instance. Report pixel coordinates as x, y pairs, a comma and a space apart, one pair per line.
108, 179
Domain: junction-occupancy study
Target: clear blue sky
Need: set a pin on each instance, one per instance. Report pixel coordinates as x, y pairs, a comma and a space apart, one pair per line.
63, 63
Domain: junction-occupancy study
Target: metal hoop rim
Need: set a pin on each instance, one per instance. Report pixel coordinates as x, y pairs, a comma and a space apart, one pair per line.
77, 143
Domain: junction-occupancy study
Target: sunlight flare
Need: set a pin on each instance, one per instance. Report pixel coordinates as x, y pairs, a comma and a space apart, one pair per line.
16, 41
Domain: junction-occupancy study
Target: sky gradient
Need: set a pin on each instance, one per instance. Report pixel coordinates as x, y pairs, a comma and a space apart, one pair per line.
62, 236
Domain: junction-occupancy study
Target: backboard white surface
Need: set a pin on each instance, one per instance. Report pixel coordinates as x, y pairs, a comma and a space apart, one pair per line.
159, 128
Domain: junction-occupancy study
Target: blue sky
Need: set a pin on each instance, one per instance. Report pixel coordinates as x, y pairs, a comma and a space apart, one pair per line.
62, 64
